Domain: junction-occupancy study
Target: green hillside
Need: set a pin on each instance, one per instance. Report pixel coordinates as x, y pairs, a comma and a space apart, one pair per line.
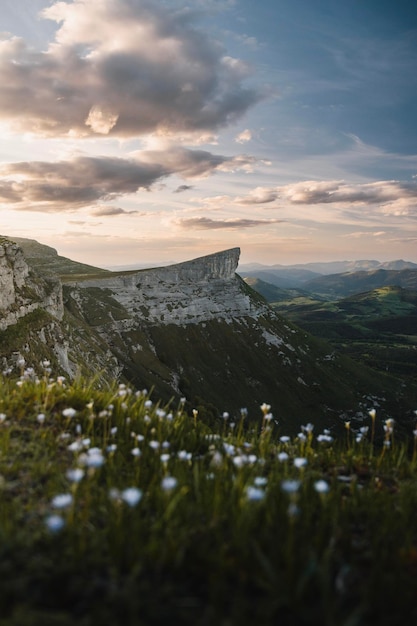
378, 328
118, 510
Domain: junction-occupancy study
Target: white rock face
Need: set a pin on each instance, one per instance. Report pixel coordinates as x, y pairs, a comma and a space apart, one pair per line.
186, 293
22, 292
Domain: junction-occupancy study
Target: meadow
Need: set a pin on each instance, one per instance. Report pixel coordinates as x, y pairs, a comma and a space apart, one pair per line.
115, 509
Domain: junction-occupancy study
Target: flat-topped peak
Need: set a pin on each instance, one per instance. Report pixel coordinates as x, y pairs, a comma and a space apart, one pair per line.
217, 265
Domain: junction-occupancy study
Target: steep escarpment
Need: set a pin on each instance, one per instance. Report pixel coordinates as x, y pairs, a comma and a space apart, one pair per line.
186, 293
22, 291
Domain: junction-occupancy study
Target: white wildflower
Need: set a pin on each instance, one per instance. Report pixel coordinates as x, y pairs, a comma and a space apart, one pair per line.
169, 483
62, 501
132, 496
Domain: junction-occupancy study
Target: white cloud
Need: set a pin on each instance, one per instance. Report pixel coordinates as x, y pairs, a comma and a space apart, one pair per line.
121, 68
244, 136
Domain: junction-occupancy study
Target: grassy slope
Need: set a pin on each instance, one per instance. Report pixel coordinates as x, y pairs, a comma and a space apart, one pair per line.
227, 544
378, 328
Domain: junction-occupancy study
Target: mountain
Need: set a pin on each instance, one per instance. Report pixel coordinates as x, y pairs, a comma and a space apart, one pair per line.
330, 267
193, 330
343, 285
378, 327
47, 260
285, 278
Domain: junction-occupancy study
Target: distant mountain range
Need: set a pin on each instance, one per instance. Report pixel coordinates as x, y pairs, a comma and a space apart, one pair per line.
193, 330
359, 277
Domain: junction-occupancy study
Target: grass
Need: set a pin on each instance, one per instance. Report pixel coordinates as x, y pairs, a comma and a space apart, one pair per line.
116, 510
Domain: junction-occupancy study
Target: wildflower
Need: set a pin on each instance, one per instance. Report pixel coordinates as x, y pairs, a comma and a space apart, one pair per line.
321, 486
165, 458
301, 437
2, 417
372, 413
225, 415
136, 452
54, 523
183, 455
111, 448
166, 445
132, 496
94, 458
41, 418
75, 475
69, 412
62, 501
260, 481
300, 462
282, 456
75, 446
285, 439
324, 438
243, 412
308, 428
148, 404
290, 486
169, 483
255, 494
113, 430
239, 461
154, 445
265, 408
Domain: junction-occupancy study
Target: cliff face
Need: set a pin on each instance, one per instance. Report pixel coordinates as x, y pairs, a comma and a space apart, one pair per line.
187, 293
22, 291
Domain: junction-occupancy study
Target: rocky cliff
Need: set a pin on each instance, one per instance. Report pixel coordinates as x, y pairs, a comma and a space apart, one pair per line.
186, 293
22, 291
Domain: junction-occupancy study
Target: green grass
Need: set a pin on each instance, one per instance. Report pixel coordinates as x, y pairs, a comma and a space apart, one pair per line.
226, 544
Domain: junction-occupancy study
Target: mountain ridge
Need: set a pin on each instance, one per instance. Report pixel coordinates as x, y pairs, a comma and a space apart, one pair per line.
193, 330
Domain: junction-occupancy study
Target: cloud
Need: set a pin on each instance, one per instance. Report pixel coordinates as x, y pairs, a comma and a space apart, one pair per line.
244, 136
86, 180
392, 197
182, 188
205, 223
109, 211
121, 68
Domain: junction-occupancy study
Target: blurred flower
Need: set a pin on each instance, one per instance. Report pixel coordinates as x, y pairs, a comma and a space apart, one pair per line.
54, 523
300, 462
169, 483
282, 456
62, 501
290, 486
321, 486
75, 475
255, 494
132, 496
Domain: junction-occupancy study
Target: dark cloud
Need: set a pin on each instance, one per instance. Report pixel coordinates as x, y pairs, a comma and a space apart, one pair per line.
182, 188
84, 181
121, 68
205, 223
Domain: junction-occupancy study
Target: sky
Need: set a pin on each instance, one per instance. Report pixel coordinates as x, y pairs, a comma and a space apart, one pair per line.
156, 131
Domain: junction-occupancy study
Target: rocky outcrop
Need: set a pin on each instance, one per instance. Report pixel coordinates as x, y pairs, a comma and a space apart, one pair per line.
186, 293
22, 291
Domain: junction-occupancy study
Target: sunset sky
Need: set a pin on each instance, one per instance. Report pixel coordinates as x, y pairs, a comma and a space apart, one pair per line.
157, 131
